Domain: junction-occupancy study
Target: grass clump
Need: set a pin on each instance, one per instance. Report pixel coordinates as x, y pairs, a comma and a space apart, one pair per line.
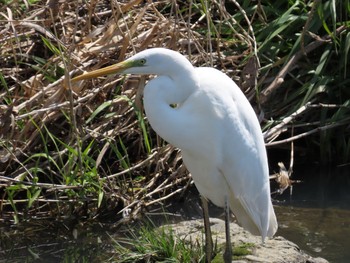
157, 245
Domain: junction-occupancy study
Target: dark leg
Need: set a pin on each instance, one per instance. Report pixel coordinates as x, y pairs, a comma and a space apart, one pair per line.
228, 249
207, 231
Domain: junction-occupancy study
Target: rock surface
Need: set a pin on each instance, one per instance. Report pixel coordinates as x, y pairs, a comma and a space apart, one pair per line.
275, 250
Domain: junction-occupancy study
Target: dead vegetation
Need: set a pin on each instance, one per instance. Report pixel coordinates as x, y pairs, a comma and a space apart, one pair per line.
86, 149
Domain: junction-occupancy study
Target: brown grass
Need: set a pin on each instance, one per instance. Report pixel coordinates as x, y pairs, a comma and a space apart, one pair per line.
44, 124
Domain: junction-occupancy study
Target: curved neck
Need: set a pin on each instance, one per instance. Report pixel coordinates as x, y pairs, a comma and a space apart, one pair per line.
176, 86
159, 94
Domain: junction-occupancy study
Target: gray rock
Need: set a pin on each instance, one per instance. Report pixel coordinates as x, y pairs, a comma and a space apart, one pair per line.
275, 250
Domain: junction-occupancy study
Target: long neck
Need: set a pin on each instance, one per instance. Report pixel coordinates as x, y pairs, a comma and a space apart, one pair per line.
166, 120
179, 83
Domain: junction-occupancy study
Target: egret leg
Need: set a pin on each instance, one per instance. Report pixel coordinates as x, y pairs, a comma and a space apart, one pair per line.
207, 231
228, 248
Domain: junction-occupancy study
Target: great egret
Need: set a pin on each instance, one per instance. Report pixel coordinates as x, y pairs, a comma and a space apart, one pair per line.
217, 131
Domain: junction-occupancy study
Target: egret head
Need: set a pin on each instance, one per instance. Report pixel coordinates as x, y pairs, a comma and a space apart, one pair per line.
158, 61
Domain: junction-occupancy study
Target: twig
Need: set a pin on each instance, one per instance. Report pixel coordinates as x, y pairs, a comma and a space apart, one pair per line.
133, 167
318, 129
44, 200
164, 197
276, 130
41, 185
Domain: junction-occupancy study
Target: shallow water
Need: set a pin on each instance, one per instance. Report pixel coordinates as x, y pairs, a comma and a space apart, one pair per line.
40, 241
316, 217
320, 232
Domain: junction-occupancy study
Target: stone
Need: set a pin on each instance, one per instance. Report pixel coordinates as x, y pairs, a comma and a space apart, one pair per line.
275, 250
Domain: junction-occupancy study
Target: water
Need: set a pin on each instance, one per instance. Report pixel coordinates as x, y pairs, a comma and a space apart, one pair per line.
42, 241
322, 232
316, 217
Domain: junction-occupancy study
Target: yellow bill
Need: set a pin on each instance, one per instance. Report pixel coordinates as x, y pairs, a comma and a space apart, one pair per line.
113, 69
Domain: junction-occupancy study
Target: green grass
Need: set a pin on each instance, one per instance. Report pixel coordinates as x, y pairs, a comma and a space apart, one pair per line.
157, 245
152, 244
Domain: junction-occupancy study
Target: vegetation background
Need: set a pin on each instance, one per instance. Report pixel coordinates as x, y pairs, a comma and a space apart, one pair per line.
87, 150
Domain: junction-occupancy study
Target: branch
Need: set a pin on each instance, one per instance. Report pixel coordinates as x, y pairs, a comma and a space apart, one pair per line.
296, 137
272, 133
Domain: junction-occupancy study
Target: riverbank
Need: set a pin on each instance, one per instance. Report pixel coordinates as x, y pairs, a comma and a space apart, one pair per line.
142, 240
275, 250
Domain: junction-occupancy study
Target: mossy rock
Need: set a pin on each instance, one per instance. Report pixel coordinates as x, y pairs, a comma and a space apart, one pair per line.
239, 252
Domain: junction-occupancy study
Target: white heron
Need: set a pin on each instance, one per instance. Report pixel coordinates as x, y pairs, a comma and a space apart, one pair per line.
217, 131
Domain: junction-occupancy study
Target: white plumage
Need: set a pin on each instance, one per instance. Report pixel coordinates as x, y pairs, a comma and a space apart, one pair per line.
216, 129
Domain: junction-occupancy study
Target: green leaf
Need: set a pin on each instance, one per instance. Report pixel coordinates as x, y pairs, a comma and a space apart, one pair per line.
323, 61
333, 12
346, 52
98, 110
50, 46
33, 196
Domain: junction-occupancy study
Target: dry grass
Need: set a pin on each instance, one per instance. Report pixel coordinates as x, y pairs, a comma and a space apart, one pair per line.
61, 142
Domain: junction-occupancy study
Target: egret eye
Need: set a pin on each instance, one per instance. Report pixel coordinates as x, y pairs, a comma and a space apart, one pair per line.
142, 61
